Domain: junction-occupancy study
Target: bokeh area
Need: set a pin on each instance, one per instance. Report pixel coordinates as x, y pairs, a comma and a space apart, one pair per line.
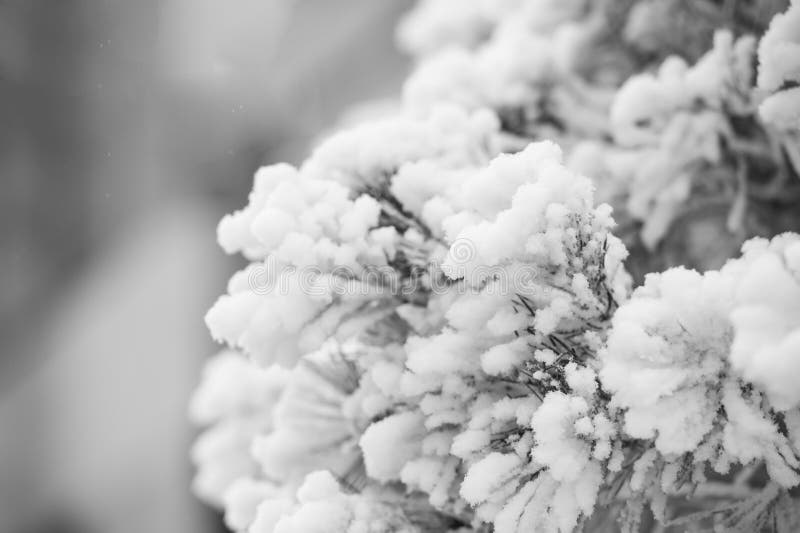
128, 129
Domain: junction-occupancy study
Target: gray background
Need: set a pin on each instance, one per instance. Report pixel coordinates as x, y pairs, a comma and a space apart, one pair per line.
128, 128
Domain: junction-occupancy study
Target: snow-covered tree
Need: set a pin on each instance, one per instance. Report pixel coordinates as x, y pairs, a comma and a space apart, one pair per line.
480, 311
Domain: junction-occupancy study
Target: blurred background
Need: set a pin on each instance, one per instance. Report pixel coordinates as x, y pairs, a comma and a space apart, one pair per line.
127, 130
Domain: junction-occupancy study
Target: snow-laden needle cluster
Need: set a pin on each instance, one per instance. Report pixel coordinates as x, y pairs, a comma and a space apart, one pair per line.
443, 328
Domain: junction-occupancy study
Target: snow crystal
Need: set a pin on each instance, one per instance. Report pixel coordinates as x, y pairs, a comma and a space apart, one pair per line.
242, 499
489, 475
766, 320
402, 434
